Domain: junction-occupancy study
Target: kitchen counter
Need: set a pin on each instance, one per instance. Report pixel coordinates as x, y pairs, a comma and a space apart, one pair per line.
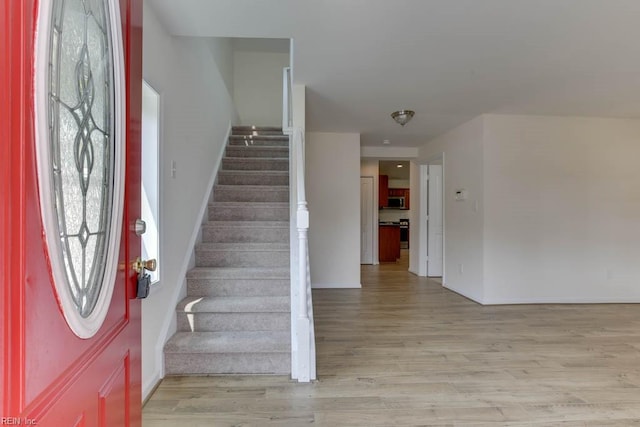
389, 245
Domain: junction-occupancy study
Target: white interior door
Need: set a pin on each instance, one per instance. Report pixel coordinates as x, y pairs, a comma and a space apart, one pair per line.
366, 220
435, 222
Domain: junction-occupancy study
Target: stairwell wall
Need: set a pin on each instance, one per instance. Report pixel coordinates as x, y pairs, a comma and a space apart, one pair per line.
257, 84
191, 75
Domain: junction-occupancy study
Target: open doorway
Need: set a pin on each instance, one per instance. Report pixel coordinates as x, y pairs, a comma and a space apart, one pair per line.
394, 209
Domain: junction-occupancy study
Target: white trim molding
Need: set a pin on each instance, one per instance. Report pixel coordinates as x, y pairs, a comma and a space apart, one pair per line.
336, 285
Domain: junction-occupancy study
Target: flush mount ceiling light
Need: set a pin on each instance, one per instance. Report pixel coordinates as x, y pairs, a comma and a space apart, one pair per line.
402, 117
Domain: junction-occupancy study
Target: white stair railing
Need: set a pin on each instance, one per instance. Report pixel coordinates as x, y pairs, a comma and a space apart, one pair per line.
303, 343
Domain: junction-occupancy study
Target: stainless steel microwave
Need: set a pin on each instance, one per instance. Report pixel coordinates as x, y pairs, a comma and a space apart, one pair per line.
396, 202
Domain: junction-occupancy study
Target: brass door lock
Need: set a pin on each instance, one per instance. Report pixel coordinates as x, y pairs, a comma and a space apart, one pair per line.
144, 279
140, 266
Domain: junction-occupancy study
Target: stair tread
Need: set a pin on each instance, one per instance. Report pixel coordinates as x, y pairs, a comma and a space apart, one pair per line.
269, 187
260, 141
244, 247
257, 128
251, 204
229, 342
257, 147
270, 136
281, 141
246, 224
255, 159
252, 172
239, 273
235, 304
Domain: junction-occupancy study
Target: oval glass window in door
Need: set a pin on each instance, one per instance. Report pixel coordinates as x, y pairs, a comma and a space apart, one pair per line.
80, 151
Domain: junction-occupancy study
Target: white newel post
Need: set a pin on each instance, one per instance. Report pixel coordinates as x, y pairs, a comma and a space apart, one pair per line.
304, 326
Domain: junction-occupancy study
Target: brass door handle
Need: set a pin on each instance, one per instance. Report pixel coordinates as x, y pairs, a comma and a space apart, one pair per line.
141, 265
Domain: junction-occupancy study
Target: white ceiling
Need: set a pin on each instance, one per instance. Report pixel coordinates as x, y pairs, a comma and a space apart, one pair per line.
449, 60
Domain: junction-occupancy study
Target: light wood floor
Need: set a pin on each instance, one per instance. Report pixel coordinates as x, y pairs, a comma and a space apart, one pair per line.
405, 351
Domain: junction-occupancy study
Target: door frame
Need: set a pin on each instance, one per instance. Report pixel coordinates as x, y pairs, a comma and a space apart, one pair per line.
372, 207
438, 240
424, 203
13, 108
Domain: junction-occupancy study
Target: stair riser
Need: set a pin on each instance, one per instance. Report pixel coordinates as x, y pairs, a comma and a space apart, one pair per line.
237, 287
256, 130
214, 322
240, 194
257, 134
249, 213
227, 363
255, 164
245, 235
214, 258
256, 151
238, 178
241, 141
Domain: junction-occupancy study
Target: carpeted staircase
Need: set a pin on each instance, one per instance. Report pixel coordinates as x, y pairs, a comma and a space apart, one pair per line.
236, 317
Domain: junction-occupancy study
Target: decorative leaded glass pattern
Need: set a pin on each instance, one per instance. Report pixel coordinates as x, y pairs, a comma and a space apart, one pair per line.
81, 129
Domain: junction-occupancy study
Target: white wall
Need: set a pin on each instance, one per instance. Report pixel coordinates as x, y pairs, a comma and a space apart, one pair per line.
196, 114
257, 86
558, 209
333, 193
562, 209
390, 152
222, 52
463, 169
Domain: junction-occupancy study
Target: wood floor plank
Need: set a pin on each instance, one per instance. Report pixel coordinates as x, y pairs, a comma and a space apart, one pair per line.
404, 351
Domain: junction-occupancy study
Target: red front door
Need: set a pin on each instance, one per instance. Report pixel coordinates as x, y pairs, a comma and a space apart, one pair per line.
49, 376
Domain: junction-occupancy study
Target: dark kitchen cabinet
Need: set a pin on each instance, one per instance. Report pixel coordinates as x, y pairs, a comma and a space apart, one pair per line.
389, 243
383, 191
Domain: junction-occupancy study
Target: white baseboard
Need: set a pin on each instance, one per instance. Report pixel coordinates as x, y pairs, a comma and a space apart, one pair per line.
464, 294
336, 286
549, 299
150, 385
563, 300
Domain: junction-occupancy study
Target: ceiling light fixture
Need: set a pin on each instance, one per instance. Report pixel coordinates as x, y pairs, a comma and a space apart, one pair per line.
399, 165
386, 142
402, 117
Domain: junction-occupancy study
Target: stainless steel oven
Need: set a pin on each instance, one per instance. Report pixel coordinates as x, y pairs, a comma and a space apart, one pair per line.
404, 233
